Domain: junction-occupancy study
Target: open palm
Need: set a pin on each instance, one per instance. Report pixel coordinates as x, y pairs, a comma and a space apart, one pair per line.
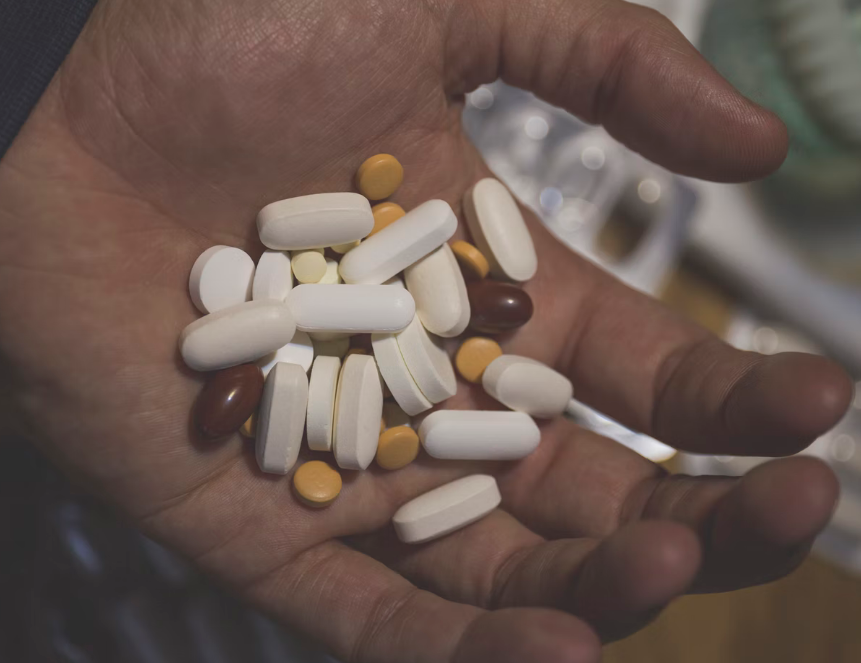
172, 123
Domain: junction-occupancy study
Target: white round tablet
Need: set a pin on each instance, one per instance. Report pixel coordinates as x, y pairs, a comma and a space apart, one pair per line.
321, 402
428, 362
300, 350
273, 278
221, 277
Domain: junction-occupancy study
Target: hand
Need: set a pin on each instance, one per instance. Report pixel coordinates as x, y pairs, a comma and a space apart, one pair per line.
172, 123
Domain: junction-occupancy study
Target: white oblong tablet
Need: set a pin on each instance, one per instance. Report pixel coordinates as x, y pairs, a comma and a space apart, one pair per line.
499, 231
315, 221
427, 361
400, 244
437, 285
221, 277
528, 386
236, 335
479, 435
273, 278
281, 418
398, 378
446, 509
321, 402
358, 410
300, 350
351, 309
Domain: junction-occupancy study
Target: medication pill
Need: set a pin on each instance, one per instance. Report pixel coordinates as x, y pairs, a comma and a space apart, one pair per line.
446, 509
236, 335
475, 355
332, 276
472, 261
479, 435
336, 347
351, 309
397, 376
400, 244
300, 350
319, 220
221, 277
385, 214
437, 286
379, 176
249, 428
499, 231
397, 448
394, 415
358, 409
316, 483
528, 386
497, 307
343, 248
308, 266
281, 418
273, 278
229, 398
428, 362
321, 402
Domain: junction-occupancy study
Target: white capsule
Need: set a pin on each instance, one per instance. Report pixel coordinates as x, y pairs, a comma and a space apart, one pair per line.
273, 278
321, 402
528, 386
437, 285
281, 418
221, 277
358, 410
315, 221
351, 309
479, 435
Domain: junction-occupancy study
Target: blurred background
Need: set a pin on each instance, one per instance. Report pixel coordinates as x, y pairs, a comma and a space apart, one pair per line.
771, 267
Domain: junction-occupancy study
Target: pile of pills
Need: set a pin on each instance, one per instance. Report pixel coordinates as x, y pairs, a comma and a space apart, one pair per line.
350, 353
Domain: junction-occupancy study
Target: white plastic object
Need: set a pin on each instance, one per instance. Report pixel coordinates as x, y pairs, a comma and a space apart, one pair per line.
315, 221
446, 509
236, 335
281, 418
332, 276
300, 350
428, 362
273, 278
397, 376
351, 309
479, 435
400, 244
358, 409
221, 277
526, 385
499, 230
436, 283
321, 402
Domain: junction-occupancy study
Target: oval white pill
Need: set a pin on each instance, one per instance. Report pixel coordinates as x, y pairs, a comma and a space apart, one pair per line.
315, 221
479, 435
398, 378
358, 410
437, 285
221, 277
399, 245
528, 386
446, 509
351, 309
273, 278
236, 335
300, 350
281, 418
321, 402
499, 231
428, 362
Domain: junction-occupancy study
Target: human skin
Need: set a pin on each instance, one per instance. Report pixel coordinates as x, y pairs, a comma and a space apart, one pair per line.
172, 123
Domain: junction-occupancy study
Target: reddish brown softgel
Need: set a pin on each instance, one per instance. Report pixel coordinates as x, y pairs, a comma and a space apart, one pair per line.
227, 400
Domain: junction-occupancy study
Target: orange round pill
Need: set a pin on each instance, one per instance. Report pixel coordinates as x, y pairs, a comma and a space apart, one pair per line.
385, 214
471, 260
474, 355
317, 484
379, 177
397, 447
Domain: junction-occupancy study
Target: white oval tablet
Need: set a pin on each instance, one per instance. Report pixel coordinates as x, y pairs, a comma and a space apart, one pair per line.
437, 285
273, 278
447, 508
281, 418
321, 402
479, 435
315, 221
528, 386
427, 361
398, 378
221, 277
499, 231
300, 350
236, 335
399, 245
351, 309
358, 410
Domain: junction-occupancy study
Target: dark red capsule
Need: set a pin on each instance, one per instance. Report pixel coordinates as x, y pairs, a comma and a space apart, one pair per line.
227, 400
497, 307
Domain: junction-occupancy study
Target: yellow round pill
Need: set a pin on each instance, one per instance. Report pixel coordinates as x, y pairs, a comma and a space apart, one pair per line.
471, 260
317, 484
385, 214
397, 447
308, 266
379, 177
249, 428
474, 355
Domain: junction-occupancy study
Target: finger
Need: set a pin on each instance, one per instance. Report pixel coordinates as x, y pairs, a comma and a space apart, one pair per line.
623, 66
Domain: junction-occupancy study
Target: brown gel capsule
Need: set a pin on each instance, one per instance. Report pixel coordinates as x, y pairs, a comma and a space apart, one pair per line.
497, 307
227, 400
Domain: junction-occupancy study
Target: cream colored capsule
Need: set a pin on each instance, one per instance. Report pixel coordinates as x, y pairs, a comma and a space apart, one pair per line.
436, 283
528, 386
315, 221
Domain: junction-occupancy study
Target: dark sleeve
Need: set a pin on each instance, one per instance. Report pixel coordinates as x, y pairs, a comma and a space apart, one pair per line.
35, 36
